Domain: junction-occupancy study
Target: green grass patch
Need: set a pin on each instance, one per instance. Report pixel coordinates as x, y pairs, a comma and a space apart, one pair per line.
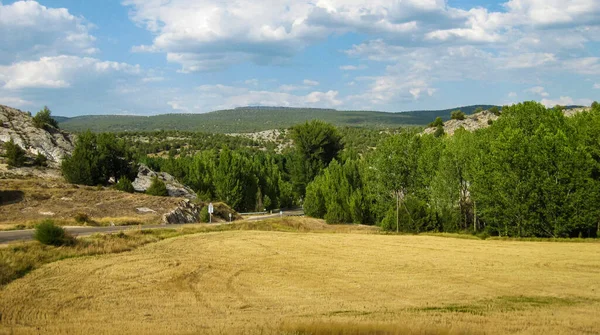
503, 304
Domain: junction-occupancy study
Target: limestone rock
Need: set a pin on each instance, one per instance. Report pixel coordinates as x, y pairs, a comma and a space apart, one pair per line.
482, 120
186, 212
175, 188
17, 125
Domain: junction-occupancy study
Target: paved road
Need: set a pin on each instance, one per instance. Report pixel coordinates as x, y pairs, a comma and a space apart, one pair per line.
25, 235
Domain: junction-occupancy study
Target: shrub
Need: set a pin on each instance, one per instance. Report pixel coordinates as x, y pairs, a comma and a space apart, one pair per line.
595, 105
495, 110
478, 109
82, 218
157, 188
43, 119
457, 115
204, 215
438, 122
439, 131
490, 122
15, 154
125, 185
40, 160
50, 234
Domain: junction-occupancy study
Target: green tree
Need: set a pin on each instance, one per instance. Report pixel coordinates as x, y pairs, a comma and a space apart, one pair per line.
157, 188
457, 115
43, 119
451, 187
97, 158
437, 123
534, 175
125, 185
495, 110
316, 144
14, 154
439, 131
396, 165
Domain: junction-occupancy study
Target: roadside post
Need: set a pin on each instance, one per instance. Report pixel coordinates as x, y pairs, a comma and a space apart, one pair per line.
280, 213
211, 209
230, 217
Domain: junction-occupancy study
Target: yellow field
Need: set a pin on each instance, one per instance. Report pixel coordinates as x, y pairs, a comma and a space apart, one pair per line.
278, 282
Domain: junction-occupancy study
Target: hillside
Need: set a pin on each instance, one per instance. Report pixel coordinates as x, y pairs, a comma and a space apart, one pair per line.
252, 119
52, 143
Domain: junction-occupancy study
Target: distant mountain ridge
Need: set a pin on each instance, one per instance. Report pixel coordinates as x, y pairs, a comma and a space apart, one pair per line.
255, 119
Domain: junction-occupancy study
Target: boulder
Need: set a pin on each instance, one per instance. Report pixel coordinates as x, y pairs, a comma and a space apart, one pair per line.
175, 188
186, 212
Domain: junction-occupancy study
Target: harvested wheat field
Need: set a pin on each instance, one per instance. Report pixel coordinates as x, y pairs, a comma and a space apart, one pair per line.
297, 283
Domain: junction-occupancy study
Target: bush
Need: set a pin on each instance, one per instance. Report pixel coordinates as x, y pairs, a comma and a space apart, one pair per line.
50, 234
15, 154
495, 110
479, 110
43, 119
438, 122
595, 105
439, 131
157, 188
40, 160
204, 215
82, 218
457, 115
125, 185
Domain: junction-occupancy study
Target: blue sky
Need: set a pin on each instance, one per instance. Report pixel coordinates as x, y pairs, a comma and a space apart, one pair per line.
148, 57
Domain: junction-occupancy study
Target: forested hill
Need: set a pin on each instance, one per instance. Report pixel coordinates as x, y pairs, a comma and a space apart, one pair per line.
253, 119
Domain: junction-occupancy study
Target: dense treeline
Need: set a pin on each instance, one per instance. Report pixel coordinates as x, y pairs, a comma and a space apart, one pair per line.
534, 172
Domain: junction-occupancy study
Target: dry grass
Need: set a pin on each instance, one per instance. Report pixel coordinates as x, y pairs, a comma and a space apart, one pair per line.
25, 202
248, 281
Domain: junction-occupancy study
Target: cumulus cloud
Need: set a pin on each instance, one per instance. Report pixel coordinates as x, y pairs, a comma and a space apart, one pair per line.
58, 72
352, 67
29, 30
538, 90
207, 98
566, 101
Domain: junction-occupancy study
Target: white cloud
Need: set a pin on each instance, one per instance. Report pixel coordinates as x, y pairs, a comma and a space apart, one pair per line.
29, 30
352, 67
512, 94
153, 79
58, 72
597, 86
566, 101
538, 90
213, 97
310, 82
14, 101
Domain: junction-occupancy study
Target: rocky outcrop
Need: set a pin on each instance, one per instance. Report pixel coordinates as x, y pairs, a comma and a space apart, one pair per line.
186, 212
485, 119
175, 188
470, 123
53, 143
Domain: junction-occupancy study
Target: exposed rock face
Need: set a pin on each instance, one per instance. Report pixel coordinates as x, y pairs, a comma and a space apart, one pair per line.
482, 120
470, 123
175, 189
54, 143
186, 212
